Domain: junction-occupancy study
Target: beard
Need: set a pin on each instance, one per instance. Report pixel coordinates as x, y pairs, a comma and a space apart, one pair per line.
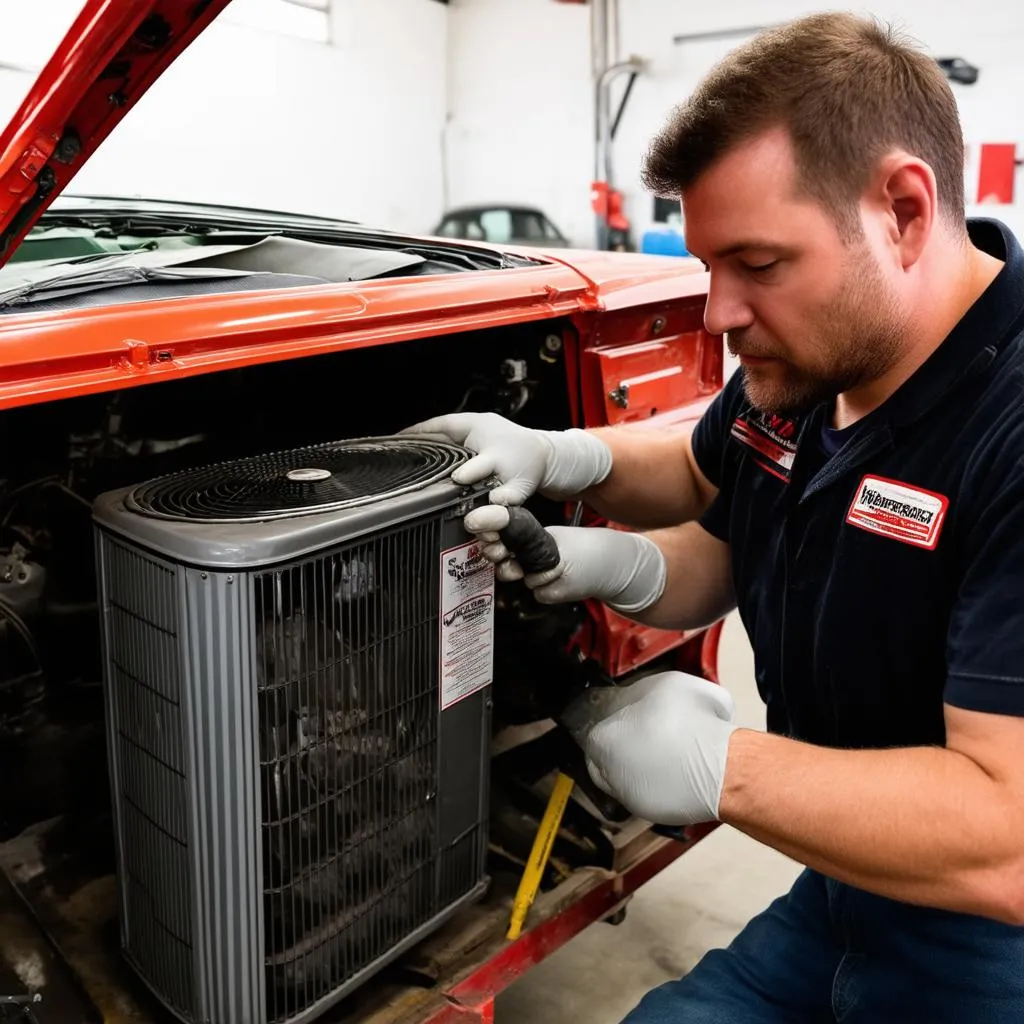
861, 332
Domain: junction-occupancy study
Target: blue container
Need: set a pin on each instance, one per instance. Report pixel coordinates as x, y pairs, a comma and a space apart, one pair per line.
664, 241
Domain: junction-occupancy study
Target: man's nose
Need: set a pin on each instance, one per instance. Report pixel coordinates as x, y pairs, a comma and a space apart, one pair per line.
726, 310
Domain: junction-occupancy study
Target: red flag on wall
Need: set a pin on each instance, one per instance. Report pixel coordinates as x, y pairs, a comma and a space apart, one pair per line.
998, 167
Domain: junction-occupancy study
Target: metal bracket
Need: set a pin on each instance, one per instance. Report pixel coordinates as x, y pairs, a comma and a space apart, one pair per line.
21, 1007
620, 396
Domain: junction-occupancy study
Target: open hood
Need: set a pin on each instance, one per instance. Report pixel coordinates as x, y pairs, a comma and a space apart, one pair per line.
110, 56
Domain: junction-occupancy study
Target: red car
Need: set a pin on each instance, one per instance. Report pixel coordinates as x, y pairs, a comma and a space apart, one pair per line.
141, 338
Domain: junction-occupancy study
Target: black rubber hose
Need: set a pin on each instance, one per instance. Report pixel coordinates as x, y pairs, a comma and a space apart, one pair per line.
532, 546
23, 631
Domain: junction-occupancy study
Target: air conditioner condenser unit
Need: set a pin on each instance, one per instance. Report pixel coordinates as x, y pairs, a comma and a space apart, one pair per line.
298, 651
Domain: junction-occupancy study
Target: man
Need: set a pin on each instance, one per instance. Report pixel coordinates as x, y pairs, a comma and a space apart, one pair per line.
857, 490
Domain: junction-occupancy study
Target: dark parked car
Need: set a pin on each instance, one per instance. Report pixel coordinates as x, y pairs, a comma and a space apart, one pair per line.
517, 225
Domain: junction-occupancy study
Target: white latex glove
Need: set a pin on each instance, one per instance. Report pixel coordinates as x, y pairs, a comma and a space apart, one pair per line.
625, 570
561, 464
660, 747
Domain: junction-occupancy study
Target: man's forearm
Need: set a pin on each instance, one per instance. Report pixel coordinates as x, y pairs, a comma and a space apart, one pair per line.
698, 579
652, 483
922, 825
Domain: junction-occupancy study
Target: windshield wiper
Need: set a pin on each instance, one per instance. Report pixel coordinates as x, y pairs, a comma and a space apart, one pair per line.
111, 227
100, 278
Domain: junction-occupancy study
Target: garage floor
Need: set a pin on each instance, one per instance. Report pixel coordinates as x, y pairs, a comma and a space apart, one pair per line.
701, 902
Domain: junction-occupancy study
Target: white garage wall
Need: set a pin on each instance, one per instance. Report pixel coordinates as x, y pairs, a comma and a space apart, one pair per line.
359, 129
543, 118
521, 109
251, 117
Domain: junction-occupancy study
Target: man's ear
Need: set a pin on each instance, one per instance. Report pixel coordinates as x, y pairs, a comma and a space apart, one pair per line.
904, 193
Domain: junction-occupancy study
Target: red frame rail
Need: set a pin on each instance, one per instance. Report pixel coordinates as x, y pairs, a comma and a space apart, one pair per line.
470, 1000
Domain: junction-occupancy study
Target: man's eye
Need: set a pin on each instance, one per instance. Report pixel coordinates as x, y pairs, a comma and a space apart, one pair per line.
759, 268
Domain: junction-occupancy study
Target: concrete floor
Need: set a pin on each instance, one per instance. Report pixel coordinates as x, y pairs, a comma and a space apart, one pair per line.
699, 903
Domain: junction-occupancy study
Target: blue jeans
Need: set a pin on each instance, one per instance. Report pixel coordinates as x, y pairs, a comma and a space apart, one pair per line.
827, 952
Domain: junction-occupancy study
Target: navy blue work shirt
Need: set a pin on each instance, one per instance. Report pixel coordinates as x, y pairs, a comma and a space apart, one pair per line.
879, 570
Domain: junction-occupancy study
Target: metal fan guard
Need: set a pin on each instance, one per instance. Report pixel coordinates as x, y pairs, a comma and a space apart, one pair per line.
302, 475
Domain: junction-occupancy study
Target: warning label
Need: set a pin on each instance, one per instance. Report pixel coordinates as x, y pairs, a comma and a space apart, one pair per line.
467, 622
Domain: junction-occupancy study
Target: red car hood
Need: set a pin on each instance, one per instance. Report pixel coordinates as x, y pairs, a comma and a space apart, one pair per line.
110, 56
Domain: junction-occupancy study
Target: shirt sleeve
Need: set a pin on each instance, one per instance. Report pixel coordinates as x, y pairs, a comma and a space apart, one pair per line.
714, 454
711, 434
985, 648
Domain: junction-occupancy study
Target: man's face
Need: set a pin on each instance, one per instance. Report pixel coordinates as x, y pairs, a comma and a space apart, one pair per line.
808, 314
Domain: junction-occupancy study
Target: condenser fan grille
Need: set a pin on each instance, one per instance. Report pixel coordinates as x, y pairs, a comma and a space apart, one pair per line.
324, 478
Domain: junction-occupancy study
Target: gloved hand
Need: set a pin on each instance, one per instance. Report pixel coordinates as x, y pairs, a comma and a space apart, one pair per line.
561, 464
660, 746
625, 570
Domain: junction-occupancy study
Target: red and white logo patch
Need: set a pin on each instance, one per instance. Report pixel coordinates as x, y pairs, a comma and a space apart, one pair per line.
895, 510
771, 440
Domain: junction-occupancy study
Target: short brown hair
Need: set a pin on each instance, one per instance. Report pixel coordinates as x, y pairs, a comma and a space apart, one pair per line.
847, 89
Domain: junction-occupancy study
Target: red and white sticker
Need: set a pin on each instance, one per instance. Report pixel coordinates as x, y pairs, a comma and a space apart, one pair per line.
895, 510
466, 623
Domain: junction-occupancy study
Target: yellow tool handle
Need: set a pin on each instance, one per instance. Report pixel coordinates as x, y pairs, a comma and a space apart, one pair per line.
539, 854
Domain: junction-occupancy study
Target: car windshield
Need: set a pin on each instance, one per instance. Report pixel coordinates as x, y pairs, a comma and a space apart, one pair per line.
96, 252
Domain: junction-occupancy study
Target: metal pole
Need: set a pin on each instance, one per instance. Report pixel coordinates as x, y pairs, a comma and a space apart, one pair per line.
604, 117
720, 33
599, 63
623, 102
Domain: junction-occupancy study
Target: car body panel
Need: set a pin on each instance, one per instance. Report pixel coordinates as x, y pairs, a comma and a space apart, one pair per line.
623, 280
47, 356
109, 57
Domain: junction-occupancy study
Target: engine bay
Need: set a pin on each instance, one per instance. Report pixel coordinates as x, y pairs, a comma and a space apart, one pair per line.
60, 456
56, 837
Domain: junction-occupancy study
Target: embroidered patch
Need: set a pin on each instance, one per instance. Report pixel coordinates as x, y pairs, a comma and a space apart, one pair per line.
771, 439
895, 510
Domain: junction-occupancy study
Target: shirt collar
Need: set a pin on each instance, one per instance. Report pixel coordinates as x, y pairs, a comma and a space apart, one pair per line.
995, 318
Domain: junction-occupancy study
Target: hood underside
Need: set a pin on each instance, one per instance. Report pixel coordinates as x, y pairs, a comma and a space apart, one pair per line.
113, 52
